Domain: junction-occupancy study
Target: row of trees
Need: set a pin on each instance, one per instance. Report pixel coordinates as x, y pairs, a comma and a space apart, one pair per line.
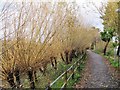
111, 24
37, 34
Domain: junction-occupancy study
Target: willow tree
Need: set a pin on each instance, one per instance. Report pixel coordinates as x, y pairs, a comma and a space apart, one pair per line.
25, 48
29, 40
35, 35
75, 36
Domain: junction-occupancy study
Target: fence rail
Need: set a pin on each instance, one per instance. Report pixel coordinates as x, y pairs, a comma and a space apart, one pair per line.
72, 68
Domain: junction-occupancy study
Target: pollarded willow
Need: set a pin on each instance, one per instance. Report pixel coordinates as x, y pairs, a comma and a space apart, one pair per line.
40, 34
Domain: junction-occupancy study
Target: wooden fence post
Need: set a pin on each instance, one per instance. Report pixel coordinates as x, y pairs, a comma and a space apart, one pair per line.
72, 68
48, 87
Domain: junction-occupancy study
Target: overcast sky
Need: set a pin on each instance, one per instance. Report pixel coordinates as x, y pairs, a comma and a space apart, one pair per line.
91, 14
87, 9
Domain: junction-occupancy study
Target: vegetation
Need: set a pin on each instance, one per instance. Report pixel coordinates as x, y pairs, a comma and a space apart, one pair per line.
111, 53
111, 20
110, 35
37, 35
106, 36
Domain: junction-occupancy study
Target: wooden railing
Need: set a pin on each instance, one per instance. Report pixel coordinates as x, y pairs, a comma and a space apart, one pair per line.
72, 69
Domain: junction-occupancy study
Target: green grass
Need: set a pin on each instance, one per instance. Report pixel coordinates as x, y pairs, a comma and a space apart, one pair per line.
98, 51
110, 56
52, 74
71, 82
113, 62
77, 77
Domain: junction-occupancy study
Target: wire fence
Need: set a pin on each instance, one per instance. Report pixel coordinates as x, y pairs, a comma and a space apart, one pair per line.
23, 77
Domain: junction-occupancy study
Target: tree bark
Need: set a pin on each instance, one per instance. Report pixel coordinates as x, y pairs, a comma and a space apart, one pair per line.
10, 80
104, 51
72, 54
62, 57
66, 55
55, 62
31, 79
35, 76
43, 69
118, 51
17, 75
51, 59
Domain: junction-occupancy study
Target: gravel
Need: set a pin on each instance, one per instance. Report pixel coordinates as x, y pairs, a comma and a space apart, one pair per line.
98, 72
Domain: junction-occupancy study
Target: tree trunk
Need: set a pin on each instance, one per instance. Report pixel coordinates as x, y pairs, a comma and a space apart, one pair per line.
31, 79
51, 59
55, 62
66, 54
104, 51
72, 54
118, 51
43, 69
35, 76
17, 75
10, 80
118, 54
62, 57
92, 46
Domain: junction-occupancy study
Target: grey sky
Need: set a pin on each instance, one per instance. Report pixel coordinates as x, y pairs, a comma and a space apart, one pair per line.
88, 11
